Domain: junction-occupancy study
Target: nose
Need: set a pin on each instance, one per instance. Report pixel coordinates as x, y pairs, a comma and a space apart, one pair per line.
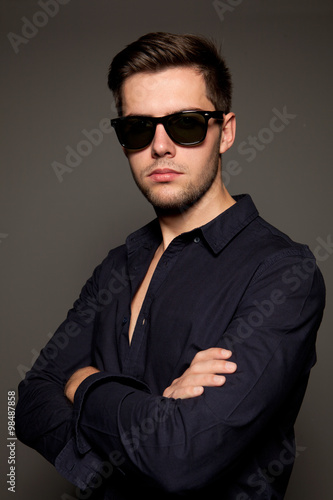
162, 145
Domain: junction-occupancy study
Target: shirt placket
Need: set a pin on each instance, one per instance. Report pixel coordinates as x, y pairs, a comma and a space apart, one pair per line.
134, 364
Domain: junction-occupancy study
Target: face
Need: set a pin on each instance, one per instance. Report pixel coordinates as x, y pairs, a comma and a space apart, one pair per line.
171, 176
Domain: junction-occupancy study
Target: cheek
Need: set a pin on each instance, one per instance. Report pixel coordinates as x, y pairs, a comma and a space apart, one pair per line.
202, 156
138, 166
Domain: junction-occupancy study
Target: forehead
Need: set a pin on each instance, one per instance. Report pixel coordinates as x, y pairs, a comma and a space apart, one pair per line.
165, 92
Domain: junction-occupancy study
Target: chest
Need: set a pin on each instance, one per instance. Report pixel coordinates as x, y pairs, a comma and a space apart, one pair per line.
139, 296
182, 303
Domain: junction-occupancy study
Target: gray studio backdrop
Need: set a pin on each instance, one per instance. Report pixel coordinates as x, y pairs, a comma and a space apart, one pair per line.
67, 196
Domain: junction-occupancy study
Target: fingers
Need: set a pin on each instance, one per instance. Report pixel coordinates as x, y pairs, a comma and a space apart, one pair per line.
214, 366
206, 370
190, 387
183, 392
212, 353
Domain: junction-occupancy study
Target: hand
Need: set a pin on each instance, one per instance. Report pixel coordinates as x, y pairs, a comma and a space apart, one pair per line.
204, 371
76, 379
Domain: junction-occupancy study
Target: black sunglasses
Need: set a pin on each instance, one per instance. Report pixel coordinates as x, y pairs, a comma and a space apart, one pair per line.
186, 128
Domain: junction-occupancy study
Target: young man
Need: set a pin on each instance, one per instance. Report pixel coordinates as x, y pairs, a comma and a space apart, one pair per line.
181, 368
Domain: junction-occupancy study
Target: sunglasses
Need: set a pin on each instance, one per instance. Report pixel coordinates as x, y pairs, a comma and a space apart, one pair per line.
186, 128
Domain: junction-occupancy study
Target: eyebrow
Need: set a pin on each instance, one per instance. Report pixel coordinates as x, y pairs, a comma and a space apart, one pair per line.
172, 113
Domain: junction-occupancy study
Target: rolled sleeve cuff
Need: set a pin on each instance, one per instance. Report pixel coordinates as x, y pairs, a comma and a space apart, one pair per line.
78, 461
118, 388
80, 470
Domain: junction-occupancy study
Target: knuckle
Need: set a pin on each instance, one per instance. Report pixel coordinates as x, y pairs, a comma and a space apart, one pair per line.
219, 366
196, 368
199, 355
212, 379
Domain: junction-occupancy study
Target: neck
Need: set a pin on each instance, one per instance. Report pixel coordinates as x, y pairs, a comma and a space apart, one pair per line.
212, 204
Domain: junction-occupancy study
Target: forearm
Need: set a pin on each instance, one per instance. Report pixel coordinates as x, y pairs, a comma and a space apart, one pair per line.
166, 440
150, 432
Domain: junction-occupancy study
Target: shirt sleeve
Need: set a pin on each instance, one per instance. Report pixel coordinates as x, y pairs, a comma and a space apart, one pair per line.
183, 444
45, 419
44, 416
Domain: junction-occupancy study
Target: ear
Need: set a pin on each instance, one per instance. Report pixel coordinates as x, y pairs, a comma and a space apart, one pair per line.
228, 132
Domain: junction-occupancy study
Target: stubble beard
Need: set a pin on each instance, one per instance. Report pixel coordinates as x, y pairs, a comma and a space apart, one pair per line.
185, 198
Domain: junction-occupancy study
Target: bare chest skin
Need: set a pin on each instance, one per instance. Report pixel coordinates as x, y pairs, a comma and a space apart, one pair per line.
140, 294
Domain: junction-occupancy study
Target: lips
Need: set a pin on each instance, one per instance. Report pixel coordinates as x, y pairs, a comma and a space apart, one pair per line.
164, 175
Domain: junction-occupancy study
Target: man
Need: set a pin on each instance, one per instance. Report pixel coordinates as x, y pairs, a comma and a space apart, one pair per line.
181, 368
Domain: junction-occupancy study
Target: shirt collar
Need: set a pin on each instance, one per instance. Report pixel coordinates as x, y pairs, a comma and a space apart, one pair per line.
147, 236
217, 233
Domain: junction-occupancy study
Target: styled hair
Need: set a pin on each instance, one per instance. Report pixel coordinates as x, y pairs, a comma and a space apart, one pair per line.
159, 51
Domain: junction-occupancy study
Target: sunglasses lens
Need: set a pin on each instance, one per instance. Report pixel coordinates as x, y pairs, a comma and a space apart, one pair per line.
187, 128
135, 133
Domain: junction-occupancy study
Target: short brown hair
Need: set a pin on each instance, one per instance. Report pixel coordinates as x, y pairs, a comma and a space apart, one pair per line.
158, 51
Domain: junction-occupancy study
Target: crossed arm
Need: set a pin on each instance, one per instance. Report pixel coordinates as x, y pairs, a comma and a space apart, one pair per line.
205, 370
269, 357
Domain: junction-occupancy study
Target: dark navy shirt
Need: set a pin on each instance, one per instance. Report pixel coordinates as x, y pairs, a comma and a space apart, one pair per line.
238, 283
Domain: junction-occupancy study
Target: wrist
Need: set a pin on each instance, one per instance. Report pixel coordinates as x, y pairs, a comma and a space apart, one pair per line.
76, 379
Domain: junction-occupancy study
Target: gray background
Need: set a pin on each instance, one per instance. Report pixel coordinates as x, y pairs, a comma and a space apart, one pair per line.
52, 234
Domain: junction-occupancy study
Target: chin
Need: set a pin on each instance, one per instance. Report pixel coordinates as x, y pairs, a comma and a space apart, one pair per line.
173, 206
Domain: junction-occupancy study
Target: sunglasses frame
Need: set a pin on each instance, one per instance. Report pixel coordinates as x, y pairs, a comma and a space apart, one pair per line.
116, 124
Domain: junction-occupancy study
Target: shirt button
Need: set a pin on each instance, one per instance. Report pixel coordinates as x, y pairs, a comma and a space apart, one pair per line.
196, 239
